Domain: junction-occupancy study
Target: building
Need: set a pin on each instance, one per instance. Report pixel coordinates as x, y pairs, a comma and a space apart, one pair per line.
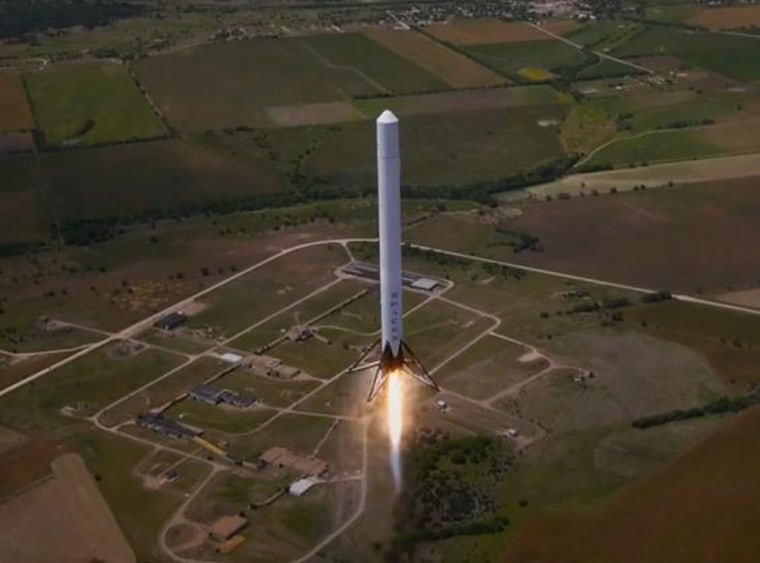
171, 321
298, 488
230, 358
206, 394
235, 399
227, 527
282, 457
425, 284
166, 427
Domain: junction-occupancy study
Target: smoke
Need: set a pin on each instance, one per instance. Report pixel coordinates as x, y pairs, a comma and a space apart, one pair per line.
395, 424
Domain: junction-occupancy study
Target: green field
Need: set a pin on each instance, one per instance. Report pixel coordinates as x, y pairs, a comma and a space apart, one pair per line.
241, 78
729, 55
85, 385
369, 59
509, 58
659, 146
463, 148
91, 104
594, 33
218, 418
605, 68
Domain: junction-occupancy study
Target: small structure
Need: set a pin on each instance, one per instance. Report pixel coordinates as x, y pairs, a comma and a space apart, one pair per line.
227, 527
166, 427
298, 488
282, 457
206, 394
230, 545
425, 284
441, 405
235, 399
273, 367
171, 321
230, 358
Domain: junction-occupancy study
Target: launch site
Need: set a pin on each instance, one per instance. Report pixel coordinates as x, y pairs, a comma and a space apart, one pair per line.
379, 281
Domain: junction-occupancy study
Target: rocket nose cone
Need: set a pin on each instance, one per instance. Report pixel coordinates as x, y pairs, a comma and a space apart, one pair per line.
387, 117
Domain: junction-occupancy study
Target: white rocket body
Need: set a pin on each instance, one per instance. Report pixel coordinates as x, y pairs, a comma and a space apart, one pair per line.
389, 222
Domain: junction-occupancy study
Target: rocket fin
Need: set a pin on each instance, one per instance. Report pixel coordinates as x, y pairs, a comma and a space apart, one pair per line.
378, 381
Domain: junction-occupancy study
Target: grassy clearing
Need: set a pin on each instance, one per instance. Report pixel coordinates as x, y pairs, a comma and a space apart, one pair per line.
270, 391
219, 418
605, 68
477, 146
453, 67
317, 305
729, 55
509, 58
370, 60
673, 13
15, 113
85, 385
269, 289
241, 78
594, 33
91, 104
299, 433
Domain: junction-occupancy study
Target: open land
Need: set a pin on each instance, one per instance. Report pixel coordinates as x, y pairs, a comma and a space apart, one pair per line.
510, 58
91, 104
15, 113
457, 70
726, 17
466, 33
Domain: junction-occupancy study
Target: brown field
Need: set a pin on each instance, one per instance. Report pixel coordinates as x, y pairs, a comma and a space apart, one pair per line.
456, 69
312, 114
700, 509
15, 113
71, 513
21, 216
665, 238
727, 17
481, 32
16, 141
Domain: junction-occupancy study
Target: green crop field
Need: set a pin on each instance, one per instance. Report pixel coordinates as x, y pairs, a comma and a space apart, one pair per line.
463, 147
509, 58
369, 59
593, 33
91, 104
243, 77
84, 385
659, 146
729, 55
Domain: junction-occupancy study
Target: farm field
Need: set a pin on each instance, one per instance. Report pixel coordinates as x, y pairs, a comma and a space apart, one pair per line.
457, 70
728, 55
605, 68
91, 104
479, 146
725, 17
466, 33
242, 78
572, 232
656, 509
370, 60
15, 113
510, 58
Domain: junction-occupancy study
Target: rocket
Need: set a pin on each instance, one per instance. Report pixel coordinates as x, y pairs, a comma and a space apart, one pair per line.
395, 354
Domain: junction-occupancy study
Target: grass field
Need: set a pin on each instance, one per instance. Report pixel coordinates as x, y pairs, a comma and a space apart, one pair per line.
476, 146
716, 476
219, 419
729, 55
251, 298
457, 70
243, 77
662, 225
84, 385
725, 17
510, 58
594, 33
479, 32
267, 390
373, 62
605, 68
15, 113
91, 104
